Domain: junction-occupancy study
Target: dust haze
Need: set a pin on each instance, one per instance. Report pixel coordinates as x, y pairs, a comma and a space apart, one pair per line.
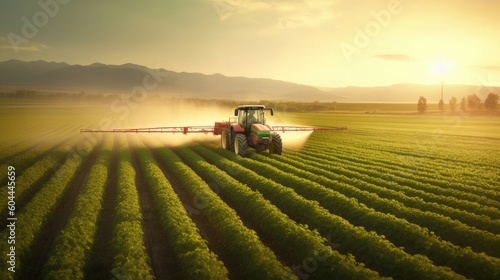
175, 113
187, 113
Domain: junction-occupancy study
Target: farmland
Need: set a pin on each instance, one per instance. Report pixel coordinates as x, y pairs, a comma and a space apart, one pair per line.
401, 196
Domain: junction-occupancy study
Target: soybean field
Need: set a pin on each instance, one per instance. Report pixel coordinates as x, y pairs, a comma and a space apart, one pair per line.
400, 196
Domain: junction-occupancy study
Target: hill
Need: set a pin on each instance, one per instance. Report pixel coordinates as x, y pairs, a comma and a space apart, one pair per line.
126, 78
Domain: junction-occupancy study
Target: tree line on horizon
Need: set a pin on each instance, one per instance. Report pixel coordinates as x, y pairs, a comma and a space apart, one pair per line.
285, 106
471, 103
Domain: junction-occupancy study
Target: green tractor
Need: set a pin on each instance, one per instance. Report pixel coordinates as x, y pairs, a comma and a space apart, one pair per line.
249, 129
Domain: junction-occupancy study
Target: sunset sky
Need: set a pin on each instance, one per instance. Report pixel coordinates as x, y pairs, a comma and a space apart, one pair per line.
317, 42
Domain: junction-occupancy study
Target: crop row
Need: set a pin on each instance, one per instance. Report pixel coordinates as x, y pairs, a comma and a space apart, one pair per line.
452, 153
392, 190
463, 178
413, 238
72, 247
35, 214
32, 154
466, 186
38, 172
191, 251
420, 165
451, 230
130, 257
14, 148
427, 167
461, 151
241, 243
400, 181
373, 250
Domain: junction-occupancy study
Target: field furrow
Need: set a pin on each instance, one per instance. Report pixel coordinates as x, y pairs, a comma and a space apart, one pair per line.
371, 249
451, 230
398, 181
192, 254
396, 196
37, 214
415, 239
241, 243
71, 248
390, 190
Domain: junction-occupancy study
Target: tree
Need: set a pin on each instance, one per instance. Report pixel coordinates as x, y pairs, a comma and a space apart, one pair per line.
441, 105
491, 102
473, 102
422, 105
463, 104
453, 103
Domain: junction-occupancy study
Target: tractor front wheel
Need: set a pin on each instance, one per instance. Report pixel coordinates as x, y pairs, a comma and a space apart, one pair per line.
225, 141
276, 146
240, 145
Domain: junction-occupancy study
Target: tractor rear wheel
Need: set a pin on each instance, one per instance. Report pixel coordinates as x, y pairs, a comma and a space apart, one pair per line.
240, 145
276, 146
225, 141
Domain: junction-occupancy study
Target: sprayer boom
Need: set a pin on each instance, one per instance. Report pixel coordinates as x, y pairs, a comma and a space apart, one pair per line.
171, 129
248, 128
216, 129
304, 128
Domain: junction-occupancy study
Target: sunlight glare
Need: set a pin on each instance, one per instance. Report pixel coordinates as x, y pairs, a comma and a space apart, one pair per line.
440, 68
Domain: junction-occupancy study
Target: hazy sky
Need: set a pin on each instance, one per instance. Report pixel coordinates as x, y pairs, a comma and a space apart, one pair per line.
316, 42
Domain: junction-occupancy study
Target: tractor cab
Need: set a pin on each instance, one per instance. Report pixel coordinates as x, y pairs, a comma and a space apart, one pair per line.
251, 114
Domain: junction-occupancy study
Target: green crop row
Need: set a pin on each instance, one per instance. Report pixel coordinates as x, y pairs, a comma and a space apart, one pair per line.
71, 249
388, 190
13, 149
469, 189
451, 230
191, 251
404, 182
35, 214
27, 157
428, 168
130, 257
241, 243
38, 172
413, 238
370, 248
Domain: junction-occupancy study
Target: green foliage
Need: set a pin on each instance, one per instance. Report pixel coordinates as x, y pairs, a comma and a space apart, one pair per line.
243, 244
191, 251
491, 102
72, 247
422, 105
374, 250
402, 195
35, 214
130, 258
273, 222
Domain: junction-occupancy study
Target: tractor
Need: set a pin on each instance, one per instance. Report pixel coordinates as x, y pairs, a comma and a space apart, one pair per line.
248, 128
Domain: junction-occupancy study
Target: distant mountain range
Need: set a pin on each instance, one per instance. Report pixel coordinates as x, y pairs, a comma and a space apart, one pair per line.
125, 78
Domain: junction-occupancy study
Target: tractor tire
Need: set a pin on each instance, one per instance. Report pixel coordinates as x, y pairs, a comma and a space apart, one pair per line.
240, 145
225, 141
276, 146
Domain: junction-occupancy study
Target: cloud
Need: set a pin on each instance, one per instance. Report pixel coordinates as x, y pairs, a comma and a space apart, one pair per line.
308, 17
489, 67
396, 57
29, 47
280, 13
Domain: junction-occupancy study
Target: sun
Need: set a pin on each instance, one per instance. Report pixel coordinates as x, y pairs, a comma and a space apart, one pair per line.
440, 68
